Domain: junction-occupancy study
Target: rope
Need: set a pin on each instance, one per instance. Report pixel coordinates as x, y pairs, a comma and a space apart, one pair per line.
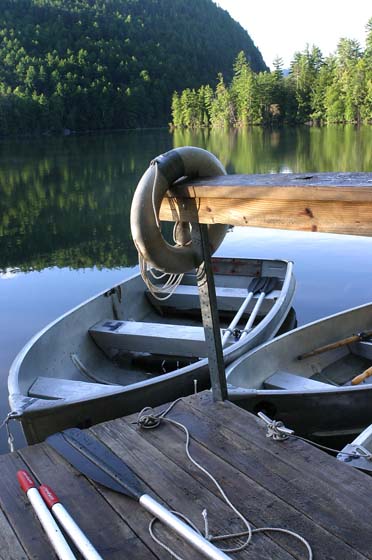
325, 448
148, 419
10, 416
173, 280
278, 431
274, 431
168, 288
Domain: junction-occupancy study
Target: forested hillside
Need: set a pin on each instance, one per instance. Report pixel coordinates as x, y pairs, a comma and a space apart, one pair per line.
94, 64
336, 89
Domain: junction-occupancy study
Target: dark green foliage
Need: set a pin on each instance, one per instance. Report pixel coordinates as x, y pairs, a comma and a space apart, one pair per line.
67, 202
333, 90
95, 64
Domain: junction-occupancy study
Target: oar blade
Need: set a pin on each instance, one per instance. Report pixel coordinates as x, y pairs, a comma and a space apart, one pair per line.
262, 284
256, 284
96, 461
270, 285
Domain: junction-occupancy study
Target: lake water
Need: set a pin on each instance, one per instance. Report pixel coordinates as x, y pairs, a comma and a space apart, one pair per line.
64, 221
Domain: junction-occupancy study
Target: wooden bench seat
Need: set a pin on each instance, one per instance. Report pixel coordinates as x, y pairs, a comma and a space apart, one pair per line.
156, 338
291, 382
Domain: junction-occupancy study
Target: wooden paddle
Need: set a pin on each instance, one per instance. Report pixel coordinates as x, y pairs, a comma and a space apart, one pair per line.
362, 376
343, 342
98, 462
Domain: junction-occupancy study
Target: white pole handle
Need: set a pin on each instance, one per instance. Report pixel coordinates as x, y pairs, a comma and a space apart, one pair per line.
253, 315
70, 526
50, 527
181, 528
236, 319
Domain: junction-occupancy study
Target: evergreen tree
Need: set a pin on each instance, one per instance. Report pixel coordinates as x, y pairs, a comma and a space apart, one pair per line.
222, 113
92, 64
335, 90
177, 110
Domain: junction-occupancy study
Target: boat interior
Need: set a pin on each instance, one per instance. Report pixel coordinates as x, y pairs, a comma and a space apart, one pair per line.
126, 335
334, 368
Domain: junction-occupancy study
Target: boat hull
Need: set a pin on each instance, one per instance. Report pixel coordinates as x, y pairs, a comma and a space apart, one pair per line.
320, 416
338, 412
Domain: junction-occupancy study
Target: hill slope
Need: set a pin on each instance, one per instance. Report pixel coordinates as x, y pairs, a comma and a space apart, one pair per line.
91, 64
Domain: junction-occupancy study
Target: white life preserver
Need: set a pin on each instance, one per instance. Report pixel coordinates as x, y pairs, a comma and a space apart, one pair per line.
187, 162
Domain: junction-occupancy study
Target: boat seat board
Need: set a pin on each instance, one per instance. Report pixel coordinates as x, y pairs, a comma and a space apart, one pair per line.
55, 388
291, 382
228, 299
156, 338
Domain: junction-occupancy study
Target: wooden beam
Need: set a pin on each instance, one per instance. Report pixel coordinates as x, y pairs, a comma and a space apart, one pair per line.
324, 202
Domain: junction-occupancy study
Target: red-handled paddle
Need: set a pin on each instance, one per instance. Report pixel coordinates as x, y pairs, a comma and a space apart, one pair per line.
72, 529
50, 527
98, 462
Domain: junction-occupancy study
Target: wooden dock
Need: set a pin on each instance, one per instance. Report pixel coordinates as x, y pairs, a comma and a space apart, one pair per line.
275, 484
314, 202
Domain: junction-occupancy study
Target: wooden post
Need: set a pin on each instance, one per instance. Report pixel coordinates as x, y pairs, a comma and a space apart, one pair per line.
209, 311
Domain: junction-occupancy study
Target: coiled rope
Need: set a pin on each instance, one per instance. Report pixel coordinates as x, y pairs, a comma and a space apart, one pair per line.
173, 280
148, 419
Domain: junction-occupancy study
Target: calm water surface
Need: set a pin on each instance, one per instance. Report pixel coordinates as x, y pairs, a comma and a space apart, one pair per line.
64, 221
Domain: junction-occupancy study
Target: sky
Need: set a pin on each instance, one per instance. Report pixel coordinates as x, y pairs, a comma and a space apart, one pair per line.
282, 27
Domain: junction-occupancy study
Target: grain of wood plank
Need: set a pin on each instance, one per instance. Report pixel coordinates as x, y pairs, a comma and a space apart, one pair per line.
10, 548
134, 514
329, 506
179, 490
259, 505
342, 217
314, 202
110, 535
280, 186
305, 457
19, 511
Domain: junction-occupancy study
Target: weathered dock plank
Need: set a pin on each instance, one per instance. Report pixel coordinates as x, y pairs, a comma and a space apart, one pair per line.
323, 202
288, 470
173, 484
107, 532
289, 484
18, 511
276, 492
10, 548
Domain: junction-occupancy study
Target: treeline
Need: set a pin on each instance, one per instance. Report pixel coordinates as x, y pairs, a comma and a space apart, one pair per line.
336, 89
109, 64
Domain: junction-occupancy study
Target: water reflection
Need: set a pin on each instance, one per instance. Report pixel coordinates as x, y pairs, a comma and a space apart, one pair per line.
297, 150
66, 202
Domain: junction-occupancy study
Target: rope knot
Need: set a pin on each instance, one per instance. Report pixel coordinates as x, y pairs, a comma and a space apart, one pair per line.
275, 431
147, 419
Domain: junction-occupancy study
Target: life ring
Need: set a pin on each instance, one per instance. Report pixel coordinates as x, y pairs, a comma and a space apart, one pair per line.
144, 218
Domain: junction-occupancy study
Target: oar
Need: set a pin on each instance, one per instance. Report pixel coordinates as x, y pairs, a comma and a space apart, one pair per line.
256, 285
56, 538
343, 342
268, 285
73, 530
362, 376
99, 463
